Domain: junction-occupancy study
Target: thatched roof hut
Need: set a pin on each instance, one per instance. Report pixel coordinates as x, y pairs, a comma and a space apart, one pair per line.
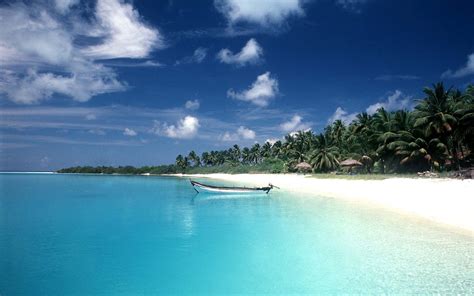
304, 167
350, 162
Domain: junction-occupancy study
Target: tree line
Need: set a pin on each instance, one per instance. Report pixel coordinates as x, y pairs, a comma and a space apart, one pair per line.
436, 135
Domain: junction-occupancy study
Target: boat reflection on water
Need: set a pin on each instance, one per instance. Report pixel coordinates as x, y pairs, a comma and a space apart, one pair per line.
226, 196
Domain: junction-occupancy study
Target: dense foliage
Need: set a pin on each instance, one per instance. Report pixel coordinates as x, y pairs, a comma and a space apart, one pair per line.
437, 135
123, 170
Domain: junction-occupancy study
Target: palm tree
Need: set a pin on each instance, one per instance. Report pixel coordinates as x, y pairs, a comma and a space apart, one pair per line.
411, 148
182, 162
277, 149
255, 153
266, 151
337, 132
236, 153
206, 159
435, 115
464, 113
246, 155
194, 158
382, 124
324, 157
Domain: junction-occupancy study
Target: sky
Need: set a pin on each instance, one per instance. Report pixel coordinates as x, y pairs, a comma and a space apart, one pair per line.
116, 82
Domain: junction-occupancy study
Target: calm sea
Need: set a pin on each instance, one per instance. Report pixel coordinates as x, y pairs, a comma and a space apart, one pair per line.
77, 234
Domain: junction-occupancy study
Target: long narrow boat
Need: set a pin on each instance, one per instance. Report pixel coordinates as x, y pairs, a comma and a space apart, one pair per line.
200, 187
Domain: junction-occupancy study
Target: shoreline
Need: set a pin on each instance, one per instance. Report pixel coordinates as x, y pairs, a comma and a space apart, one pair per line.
443, 201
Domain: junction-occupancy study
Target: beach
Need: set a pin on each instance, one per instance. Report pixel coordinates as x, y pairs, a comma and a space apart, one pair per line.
445, 201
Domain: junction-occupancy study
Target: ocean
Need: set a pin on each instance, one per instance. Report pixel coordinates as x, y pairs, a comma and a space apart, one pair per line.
89, 234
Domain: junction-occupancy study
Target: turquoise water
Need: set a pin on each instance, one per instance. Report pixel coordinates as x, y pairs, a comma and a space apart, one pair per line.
75, 234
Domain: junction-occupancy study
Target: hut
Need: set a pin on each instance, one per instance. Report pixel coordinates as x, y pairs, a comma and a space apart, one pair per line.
304, 167
350, 163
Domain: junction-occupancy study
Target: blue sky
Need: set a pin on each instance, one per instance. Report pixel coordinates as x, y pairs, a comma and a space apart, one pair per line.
113, 82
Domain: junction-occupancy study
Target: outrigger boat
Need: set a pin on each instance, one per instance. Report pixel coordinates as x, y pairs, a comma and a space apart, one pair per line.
200, 187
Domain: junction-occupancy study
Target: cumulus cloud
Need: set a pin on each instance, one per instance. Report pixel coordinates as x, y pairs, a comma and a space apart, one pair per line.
272, 141
263, 12
198, 56
294, 124
185, 128
129, 132
241, 133
123, 32
40, 56
466, 70
343, 115
251, 53
395, 101
259, 93
246, 133
33, 87
91, 116
63, 6
192, 104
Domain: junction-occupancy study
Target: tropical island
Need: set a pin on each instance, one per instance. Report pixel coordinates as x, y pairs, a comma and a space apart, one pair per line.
436, 136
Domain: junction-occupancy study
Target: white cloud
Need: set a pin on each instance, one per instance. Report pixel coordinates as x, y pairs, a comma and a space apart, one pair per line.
124, 34
246, 133
272, 141
192, 105
185, 128
259, 93
466, 70
40, 56
34, 87
229, 137
294, 124
395, 101
91, 116
251, 53
129, 132
343, 115
198, 56
63, 6
241, 133
263, 12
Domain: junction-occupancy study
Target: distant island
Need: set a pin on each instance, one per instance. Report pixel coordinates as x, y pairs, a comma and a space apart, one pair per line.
437, 136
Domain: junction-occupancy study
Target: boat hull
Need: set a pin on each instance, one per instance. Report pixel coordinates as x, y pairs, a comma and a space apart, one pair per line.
202, 188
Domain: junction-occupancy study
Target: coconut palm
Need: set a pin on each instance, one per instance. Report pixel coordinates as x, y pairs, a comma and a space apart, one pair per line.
324, 156
266, 151
255, 153
194, 158
434, 114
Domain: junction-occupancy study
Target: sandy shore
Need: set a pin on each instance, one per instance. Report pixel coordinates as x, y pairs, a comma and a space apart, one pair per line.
446, 201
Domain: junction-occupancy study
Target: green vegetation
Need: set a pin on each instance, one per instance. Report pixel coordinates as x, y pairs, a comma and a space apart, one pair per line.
122, 170
438, 135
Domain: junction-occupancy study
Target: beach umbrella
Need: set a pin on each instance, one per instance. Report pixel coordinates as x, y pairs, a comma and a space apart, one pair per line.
350, 163
303, 166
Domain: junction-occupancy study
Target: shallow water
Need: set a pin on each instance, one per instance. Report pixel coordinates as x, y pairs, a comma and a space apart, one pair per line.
65, 234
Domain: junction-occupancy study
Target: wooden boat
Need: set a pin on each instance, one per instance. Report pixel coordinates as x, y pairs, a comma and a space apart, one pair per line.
200, 187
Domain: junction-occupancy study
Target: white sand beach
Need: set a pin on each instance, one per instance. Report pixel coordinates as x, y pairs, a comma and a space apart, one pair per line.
445, 201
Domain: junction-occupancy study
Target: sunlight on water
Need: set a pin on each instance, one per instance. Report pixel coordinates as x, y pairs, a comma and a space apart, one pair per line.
63, 234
